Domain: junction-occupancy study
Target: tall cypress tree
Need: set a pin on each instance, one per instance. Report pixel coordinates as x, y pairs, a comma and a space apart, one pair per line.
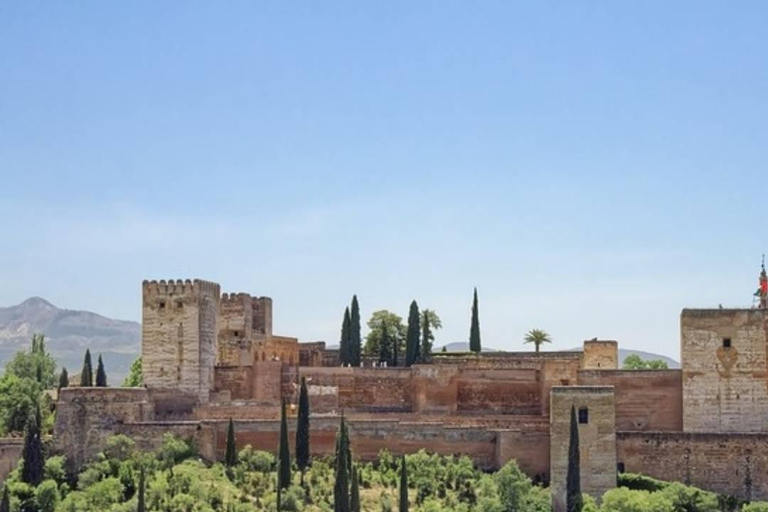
574, 502
230, 457
474, 330
354, 494
426, 338
344, 348
86, 376
341, 487
403, 487
5, 502
284, 455
302, 430
384, 346
32, 454
412, 335
355, 341
63, 379
101, 375
142, 507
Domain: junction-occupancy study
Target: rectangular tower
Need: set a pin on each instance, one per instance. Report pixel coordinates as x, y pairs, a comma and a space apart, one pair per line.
178, 338
725, 384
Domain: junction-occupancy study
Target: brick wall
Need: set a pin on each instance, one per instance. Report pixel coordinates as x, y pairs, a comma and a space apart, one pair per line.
601, 355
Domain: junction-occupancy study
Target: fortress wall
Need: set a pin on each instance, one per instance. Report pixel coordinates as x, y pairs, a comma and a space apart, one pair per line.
311, 354
234, 331
435, 388
498, 391
601, 355
235, 379
10, 454
733, 464
363, 389
528, 447
645, 399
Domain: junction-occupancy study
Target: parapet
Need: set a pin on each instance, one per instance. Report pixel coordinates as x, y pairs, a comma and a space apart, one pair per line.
179, 287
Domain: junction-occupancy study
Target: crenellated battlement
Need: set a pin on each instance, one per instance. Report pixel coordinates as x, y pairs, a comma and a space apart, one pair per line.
162, 287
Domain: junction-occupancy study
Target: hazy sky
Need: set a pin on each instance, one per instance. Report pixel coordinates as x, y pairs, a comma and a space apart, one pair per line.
592, 167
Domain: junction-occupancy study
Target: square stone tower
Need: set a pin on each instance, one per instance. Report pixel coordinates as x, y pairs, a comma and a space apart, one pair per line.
725, 379
600, 355
178, 338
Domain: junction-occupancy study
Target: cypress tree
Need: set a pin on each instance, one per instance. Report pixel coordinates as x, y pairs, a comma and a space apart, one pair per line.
574, 502
230, 457
142, 507
384, 354
32, 454
354, 494
412, 336
284, 455
101, 375
341, 487
344, 348
474, 330
86, 377
5, 502
302, 430
355, 340
403, 487
426, 338
63, 379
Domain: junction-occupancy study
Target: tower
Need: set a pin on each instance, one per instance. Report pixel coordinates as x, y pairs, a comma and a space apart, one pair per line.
178, 336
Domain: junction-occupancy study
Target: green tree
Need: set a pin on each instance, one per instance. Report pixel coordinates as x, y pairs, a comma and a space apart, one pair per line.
47, 496
284, 455
412, 335
343, 456
86, 376
302, 430
429, 321
135, 376
403, 486
538, 337
355, 340
32, 454
101, 375
574, 502
385, 346
141, 506
474, 330
5, 502
36, 364
346, 328
395, 328
513, 486
354, 494
635, 362
63, 379
230, 457
18, 398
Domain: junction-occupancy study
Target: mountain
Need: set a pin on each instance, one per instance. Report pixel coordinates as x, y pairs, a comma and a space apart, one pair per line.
68, 334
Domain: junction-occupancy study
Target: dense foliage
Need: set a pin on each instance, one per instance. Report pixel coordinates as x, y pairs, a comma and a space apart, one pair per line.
635, 362
135, 376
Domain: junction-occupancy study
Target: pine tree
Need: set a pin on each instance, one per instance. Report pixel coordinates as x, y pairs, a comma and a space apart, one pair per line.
63, 379
230, 457
142, 507
344, 348
5, 502
412, 336
355, 340
474, 330
384, 353
343, 456
101, 375
403, 487
284, 455
574, 502
86, 377
302, 430
354, 494
32, 454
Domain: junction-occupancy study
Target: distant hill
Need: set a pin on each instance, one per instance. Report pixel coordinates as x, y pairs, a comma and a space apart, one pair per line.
68, 333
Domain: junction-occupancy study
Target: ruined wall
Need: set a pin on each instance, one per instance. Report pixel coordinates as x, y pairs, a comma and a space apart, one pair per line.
10, 454
597, 440
179, 330
725, 386
600, 355
732, 464
311, 354
645, 399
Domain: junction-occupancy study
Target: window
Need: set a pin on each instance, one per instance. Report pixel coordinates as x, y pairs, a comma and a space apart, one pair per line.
179, 304
583, 415
726, 342
161, 305
620, 467
237, 333
564, 382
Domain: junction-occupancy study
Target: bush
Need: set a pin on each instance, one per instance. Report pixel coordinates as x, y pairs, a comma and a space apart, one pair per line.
47, 496
640, 482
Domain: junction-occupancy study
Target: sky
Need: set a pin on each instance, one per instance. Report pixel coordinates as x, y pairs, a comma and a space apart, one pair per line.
591, 167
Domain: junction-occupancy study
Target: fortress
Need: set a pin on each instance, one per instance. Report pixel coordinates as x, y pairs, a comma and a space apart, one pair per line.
209, 356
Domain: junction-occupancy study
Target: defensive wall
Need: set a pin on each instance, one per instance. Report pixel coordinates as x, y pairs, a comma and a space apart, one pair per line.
10, 453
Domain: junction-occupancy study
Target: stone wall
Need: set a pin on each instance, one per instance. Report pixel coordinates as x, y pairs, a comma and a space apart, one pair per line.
238, 380
10, 454
597, 440
601, 355
732, 464
645, 399
235, 340
311, 354
725, 379
492, 391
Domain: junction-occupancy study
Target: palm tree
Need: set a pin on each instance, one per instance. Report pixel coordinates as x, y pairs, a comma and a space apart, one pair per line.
537, 337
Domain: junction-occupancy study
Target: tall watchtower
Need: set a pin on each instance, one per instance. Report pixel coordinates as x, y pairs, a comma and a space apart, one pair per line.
178, 338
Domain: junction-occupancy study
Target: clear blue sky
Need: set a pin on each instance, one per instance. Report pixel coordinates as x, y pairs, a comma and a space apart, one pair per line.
592, 167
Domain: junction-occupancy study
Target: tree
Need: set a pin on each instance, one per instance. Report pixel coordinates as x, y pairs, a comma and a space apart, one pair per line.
635, 362
574, 502
86, 376
403, 486
18, 399
354, 494
284, 455
385, 349
538, 337
36, 364
474, 330
346, 326
395, 328
32, 453
101, 375
135, 376
355, 341
5, 502
429, 321
63, 379
230, 457
302, 430
341, 499
141, 507
412, 335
